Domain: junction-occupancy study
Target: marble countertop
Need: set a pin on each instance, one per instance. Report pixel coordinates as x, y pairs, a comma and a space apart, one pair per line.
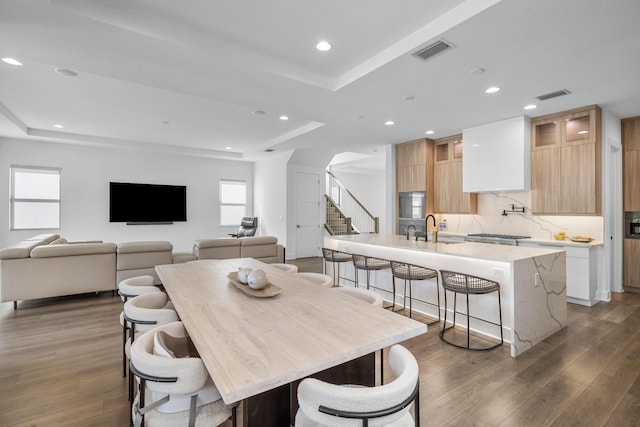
485, 251
545, 242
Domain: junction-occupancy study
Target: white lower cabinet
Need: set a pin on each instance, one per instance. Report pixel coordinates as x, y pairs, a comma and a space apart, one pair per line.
582, 272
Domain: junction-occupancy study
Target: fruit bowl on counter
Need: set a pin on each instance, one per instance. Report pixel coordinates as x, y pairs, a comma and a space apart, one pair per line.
559, 235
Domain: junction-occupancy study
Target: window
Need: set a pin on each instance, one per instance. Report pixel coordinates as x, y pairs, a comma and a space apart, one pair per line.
233, 202
35, 198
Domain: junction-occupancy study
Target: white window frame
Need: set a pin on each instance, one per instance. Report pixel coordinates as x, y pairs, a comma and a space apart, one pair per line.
13, 199
222, 204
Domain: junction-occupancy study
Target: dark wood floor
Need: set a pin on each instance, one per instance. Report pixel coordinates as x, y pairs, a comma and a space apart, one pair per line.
60, 366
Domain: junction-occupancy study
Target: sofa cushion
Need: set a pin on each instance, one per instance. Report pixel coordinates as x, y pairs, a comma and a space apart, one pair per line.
216, 243
259, 247
23, 249
49, 251
153, 246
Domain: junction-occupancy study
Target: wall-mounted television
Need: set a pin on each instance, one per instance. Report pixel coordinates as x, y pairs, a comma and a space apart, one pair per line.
147, 203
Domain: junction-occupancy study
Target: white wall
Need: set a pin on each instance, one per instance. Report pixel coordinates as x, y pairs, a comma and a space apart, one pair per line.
85, 176
270, 196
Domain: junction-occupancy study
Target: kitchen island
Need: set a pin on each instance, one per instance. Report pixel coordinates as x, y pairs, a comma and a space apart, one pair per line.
532, 281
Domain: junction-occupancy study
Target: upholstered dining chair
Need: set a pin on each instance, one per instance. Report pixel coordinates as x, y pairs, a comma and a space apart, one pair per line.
318, 278
129, 288
175, 388
143, 313
134, 286
289, 268
364, 294
325, 404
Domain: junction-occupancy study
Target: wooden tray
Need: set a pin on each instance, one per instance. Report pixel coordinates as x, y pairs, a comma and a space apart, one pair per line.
581, 239
268, 291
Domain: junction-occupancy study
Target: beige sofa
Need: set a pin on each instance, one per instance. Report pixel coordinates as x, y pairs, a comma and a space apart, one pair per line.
140, 258
47, 266
265, 249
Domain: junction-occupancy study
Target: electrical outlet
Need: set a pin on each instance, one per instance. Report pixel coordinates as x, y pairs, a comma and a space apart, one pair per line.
498, 273
536, 279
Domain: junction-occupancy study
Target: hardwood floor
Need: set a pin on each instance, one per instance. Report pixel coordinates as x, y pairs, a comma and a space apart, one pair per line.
60, 366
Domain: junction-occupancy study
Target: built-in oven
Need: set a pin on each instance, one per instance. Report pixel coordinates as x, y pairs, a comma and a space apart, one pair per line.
411, 211
632, 225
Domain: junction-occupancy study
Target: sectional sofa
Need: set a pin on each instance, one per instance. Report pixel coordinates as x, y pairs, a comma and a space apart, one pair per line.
48, 266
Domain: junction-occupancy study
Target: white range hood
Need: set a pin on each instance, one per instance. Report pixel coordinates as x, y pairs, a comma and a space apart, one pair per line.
496, 156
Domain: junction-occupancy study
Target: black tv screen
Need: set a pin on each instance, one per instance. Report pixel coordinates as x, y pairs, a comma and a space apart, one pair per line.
147, 203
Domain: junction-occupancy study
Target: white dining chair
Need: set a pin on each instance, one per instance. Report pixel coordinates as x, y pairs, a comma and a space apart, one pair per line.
318, 278
289, 268
175, 388
325, 404
365, 295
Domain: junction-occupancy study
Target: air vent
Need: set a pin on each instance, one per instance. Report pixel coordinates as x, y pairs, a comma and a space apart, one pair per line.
553, 94
434, 49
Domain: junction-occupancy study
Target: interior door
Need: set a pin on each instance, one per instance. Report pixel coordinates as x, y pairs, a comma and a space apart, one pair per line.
307, 214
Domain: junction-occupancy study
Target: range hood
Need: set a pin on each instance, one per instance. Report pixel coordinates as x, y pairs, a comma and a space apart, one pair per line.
497, 156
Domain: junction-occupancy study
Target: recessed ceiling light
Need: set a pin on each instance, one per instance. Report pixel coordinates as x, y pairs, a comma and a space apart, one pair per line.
408, 98
258, 113
389, 123
58, 126
284, 118
66, 72
476, 71
492, 89
429, 132
11, 61
323, 46
227, 148
530, 107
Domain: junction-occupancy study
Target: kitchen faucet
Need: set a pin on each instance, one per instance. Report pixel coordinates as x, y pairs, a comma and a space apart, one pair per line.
426, 228
414, 230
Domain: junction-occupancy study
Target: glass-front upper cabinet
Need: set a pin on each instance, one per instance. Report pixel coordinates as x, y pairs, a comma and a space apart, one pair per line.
564, 129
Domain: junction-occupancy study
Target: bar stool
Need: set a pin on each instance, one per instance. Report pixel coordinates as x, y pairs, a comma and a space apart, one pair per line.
410, 272
334, 256
460, 283
368, 264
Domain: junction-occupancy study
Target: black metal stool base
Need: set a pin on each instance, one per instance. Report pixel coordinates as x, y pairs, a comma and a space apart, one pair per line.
466, 285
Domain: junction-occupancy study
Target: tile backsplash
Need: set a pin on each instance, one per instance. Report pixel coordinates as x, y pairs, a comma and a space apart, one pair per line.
490, 219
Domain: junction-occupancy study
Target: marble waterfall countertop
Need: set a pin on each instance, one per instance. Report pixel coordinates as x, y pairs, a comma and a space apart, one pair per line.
484, 251
532, 281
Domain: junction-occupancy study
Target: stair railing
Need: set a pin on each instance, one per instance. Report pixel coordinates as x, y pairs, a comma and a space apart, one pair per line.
361, 218
334, 222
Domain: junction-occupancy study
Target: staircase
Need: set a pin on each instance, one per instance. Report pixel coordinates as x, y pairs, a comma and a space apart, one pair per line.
344, 213
337, 223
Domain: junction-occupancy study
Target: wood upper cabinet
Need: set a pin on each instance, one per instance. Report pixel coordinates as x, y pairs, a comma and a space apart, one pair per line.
448, 194
414, 168
631, 155
566, 163
411, 160
631, 190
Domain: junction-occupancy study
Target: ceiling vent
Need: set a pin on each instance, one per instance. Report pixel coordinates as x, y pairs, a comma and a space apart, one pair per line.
434, 49
553, 94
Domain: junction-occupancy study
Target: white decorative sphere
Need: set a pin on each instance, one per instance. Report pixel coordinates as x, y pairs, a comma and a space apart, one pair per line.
257, 279
243, 274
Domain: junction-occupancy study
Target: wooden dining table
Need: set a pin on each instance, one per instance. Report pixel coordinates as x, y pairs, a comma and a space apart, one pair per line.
257, 348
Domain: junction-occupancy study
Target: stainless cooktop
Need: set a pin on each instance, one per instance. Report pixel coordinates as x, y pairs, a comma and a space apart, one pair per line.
503, 239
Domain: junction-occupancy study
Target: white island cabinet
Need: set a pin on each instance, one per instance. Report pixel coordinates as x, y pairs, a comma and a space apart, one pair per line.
582, 268
532, 281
